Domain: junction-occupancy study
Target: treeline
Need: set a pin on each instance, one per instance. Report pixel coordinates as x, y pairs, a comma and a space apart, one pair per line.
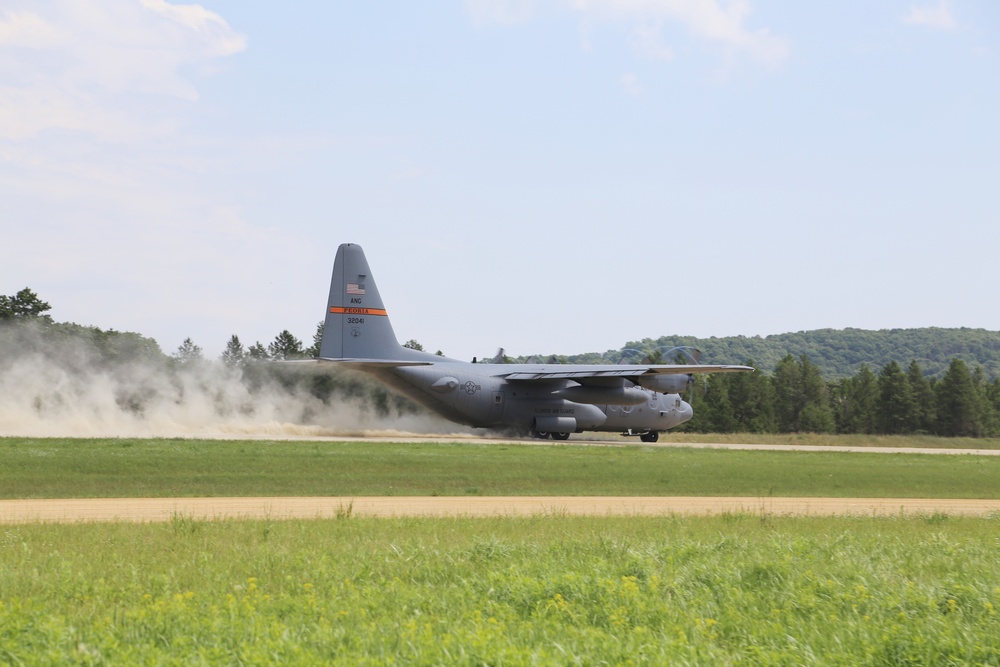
838, 353
795, 393
796, 398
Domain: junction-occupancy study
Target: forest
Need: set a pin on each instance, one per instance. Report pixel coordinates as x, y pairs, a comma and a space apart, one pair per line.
915, 381
837, 353
895, 400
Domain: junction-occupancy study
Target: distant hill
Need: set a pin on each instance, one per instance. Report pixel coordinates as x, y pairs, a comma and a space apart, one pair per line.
837, 352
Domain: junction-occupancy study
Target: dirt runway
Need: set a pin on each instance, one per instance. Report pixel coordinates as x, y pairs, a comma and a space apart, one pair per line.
166, 509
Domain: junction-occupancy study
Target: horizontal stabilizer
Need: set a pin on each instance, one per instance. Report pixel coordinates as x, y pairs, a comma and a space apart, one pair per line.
373, 364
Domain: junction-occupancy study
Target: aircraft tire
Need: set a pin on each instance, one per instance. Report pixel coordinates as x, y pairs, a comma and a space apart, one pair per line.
652, 436
560, 436
541, 435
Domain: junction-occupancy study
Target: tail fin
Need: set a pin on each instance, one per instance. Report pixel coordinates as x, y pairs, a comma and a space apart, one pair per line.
356, 325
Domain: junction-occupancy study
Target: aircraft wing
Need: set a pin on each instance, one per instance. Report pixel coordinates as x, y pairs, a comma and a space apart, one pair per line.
601, 371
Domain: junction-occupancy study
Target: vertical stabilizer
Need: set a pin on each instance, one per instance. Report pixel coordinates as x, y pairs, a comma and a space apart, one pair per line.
357, 325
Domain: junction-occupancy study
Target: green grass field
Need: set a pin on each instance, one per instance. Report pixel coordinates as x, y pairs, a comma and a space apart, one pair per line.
736, 589
80, 468
752, 588
831, 440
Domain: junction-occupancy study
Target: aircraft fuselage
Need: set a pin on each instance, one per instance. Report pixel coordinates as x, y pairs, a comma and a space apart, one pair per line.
477, 395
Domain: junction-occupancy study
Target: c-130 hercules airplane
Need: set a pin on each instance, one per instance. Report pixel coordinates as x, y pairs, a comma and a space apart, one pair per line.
544, 399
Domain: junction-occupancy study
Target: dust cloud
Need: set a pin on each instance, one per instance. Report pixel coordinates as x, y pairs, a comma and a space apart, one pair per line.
67, 386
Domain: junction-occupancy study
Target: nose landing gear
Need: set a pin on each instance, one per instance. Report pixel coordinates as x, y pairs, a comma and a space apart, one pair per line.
645, 436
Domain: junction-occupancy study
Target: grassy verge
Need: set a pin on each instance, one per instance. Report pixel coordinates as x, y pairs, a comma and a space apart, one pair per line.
542, 590
829, 440
67, 468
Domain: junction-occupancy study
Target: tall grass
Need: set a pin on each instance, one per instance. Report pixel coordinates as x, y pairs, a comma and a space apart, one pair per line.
736, 589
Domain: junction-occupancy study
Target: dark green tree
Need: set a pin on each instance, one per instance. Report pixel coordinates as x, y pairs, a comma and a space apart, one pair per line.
960, 409
801, 397
816, 418
317, 341
717, 407
924, 399
988, 417
789, 394
188, 353
257, 352
751, 396
23, 305
285, 346
854, 402
992, 392
896, 411
234, 354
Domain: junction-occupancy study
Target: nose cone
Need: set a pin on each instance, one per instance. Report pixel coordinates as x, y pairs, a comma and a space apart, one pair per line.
685, 412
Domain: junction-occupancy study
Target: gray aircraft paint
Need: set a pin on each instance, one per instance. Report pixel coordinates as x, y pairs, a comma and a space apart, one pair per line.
551, 398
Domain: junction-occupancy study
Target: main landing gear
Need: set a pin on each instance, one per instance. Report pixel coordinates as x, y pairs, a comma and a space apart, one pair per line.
542, 435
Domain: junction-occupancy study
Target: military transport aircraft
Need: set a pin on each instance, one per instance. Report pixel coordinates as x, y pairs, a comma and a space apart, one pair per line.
544, 399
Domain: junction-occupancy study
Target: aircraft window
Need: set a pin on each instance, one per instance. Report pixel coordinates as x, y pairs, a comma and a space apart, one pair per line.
498, 398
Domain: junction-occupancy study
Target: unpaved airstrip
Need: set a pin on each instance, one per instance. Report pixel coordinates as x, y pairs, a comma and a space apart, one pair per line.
167, 509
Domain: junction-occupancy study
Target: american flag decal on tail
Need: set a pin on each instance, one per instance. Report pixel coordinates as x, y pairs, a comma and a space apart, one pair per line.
356, 288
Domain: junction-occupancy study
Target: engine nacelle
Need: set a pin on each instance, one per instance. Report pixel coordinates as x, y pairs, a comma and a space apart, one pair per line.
603, 395
555, 424
665, 383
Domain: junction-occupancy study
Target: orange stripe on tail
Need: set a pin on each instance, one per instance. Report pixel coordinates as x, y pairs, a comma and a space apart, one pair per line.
340, 310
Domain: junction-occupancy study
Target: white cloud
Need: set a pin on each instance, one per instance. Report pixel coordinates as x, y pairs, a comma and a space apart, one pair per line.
647, 41
504, 12
214, 34
27, 30
98, 167
718, 21
707, 19
93, 65
631, 84
939, 16
94, 96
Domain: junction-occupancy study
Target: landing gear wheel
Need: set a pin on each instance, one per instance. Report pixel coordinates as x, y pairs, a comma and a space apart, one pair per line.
541, 435
652, 436
560, 436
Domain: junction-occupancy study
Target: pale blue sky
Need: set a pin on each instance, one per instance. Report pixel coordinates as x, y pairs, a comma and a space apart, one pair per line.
547, 176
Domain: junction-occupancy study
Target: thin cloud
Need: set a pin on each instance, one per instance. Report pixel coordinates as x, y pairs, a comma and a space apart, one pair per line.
722, 23
503, 12
938, 16
647, 41
85, 66
215, 35
24, 29
630, 82
97, 98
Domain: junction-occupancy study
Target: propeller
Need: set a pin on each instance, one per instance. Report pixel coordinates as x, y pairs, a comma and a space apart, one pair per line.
685, 354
